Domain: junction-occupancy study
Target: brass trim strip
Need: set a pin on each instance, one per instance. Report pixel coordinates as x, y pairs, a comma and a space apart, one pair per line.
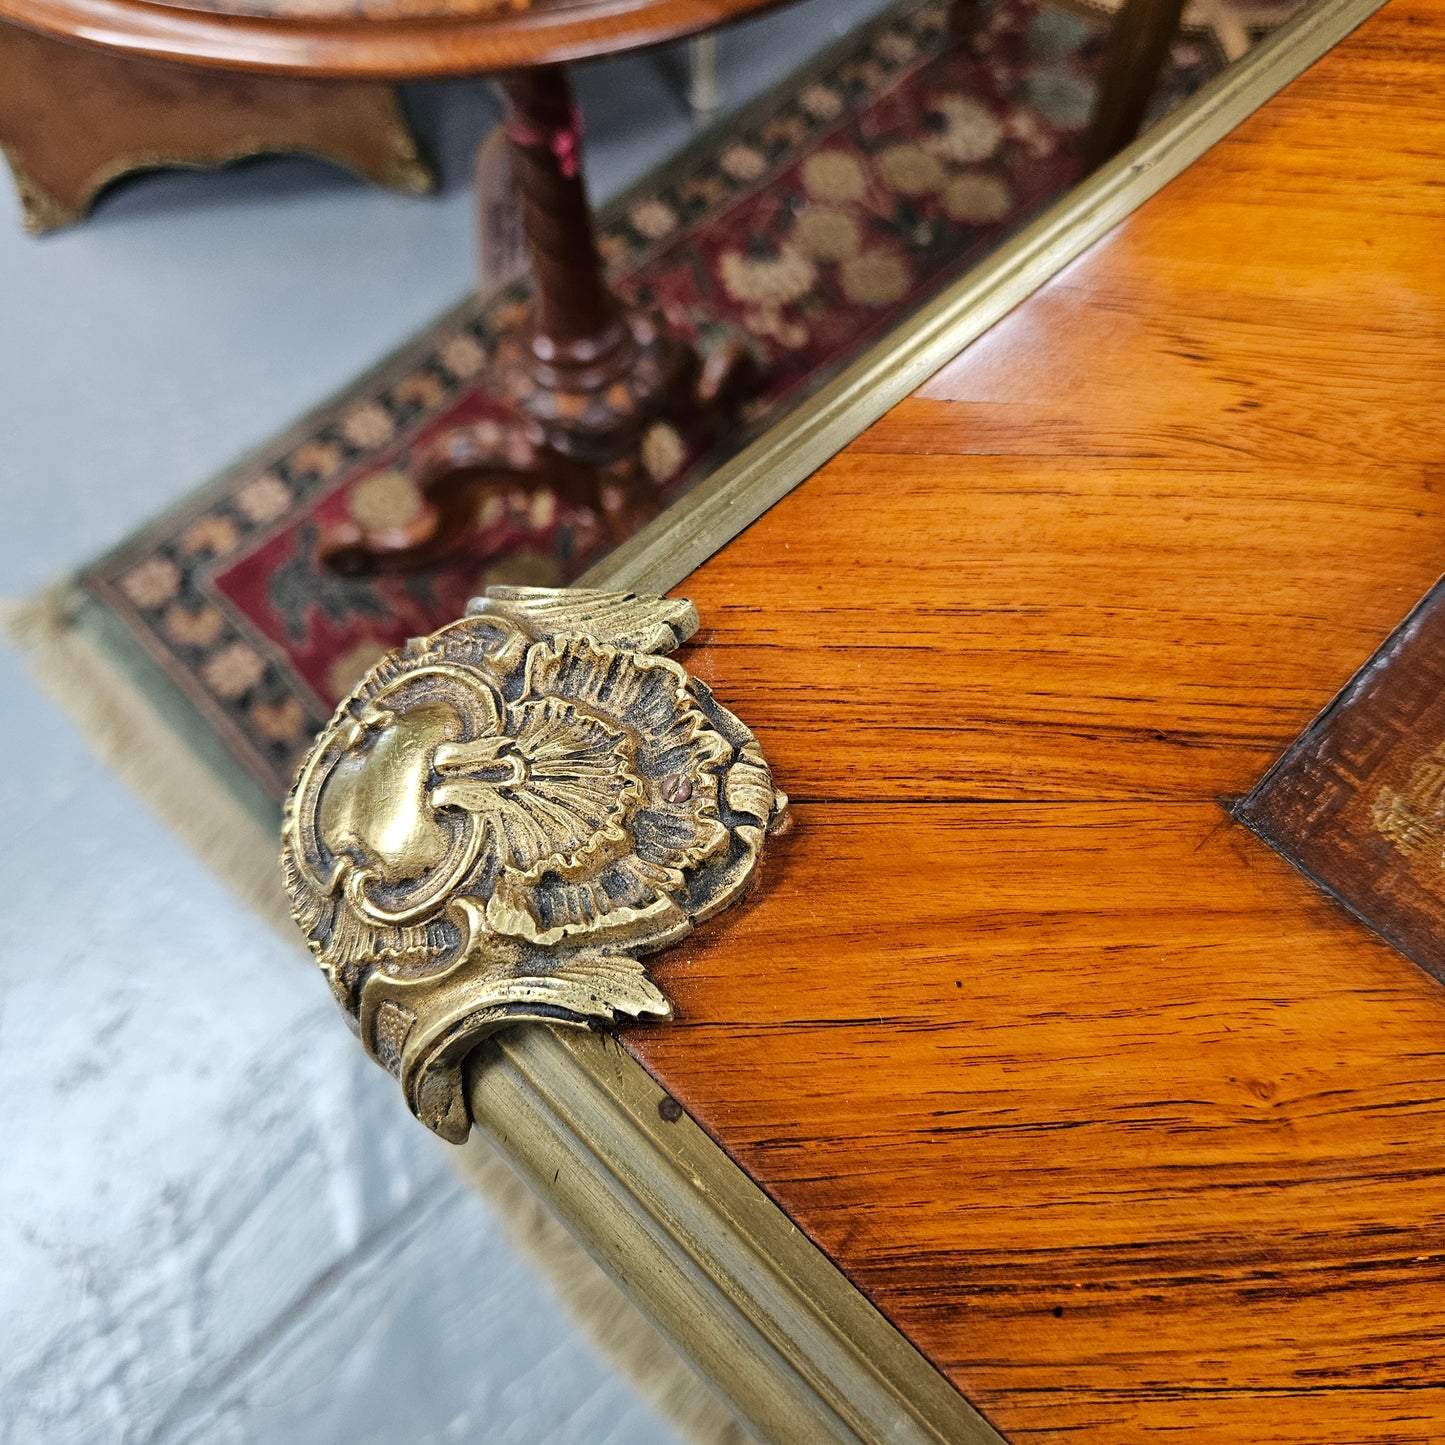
779, 1333
742, 489
784, 1338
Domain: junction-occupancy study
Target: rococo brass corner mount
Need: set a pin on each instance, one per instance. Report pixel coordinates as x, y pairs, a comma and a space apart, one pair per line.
505, 816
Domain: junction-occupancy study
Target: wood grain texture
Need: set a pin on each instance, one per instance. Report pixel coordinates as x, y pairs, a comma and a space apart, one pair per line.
386, 39
1129, 1128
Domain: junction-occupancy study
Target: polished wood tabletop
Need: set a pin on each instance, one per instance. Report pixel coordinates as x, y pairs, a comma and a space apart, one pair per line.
1124, 1123
385, 39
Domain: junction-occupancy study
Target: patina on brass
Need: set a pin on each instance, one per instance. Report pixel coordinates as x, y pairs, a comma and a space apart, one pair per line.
506, 815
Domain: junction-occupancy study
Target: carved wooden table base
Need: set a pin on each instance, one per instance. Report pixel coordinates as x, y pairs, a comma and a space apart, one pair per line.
587, 377
74, 117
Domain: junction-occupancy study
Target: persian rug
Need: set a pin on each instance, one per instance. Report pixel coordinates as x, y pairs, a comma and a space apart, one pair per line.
808, 225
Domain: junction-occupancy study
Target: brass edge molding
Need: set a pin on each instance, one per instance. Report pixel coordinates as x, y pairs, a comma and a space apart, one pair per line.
741, 490
795, 1350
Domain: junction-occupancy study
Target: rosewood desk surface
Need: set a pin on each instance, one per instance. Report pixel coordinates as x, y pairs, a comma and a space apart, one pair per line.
1123, 1122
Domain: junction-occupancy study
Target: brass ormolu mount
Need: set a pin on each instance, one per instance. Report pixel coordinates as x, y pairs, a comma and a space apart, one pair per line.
505, 816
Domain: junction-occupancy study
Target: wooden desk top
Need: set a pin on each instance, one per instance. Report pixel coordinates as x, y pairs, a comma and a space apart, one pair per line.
385, 39
1121, 1122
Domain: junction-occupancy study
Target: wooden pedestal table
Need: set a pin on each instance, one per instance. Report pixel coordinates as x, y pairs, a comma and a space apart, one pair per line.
588, 377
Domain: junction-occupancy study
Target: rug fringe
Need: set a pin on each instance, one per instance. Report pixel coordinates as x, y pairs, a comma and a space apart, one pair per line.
136, 743
132, 738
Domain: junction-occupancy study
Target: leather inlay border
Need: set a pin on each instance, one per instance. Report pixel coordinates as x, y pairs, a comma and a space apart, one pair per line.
1358, 802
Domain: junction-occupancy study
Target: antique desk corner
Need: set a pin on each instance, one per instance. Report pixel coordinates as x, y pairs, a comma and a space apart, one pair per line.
1030, 1093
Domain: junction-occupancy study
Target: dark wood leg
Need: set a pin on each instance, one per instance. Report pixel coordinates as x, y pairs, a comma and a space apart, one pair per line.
1139, 44
74, 117
962, 17
586, 376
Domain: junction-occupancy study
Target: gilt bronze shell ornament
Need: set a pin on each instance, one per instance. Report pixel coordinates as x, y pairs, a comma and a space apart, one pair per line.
504, 817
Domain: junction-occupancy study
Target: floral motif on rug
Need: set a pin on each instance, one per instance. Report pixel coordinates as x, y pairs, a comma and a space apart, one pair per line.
808, 227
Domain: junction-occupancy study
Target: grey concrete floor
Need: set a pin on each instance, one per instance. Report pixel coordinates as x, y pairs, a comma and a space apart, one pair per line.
217, 1221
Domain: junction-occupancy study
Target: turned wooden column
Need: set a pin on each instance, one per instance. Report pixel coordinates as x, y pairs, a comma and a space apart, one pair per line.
587, 376
578, 322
